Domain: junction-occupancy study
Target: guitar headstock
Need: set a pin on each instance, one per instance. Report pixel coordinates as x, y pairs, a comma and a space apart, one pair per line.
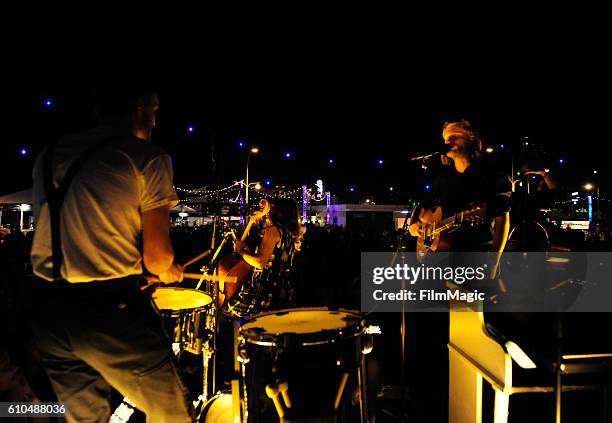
264, 209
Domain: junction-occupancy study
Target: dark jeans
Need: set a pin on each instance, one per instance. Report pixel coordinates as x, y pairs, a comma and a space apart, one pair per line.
98, 335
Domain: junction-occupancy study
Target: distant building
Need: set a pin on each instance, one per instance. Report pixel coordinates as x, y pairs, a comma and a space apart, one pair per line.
363, 214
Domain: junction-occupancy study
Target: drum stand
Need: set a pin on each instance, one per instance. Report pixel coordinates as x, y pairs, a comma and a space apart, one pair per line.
209, 353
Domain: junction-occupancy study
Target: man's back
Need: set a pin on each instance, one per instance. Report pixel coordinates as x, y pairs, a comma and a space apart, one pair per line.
101, 214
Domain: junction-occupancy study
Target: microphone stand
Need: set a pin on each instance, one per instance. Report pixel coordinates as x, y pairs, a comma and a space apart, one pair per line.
425, 162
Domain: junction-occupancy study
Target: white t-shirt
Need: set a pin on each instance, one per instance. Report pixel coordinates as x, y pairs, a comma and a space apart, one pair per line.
101, 223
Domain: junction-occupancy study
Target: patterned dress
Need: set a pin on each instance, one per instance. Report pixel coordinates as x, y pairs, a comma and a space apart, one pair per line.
270, 288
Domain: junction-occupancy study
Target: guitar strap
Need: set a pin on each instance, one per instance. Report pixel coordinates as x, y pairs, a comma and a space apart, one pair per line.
55, 196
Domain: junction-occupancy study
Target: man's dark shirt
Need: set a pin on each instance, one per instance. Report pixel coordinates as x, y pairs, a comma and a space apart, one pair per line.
483, 182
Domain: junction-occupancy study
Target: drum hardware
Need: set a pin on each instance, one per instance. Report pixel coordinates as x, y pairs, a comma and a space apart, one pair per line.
273, 393
283, 387
340, 391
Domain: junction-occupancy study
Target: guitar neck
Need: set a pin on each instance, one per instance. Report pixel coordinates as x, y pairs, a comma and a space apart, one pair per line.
449, 222
445, 224
246, 231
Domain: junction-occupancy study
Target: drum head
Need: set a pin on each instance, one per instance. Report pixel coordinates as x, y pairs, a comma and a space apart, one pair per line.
302, 321
218, 410
180, 299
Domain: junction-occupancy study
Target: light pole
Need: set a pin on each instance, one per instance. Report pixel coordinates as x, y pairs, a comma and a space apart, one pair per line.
253, 150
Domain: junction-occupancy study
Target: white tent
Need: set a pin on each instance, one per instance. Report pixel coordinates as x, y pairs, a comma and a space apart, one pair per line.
20, 197
23, 199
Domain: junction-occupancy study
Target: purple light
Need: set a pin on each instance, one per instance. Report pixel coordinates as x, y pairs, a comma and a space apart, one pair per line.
533, 177
330, 161
380, 162
24, 152
48, 102
561, 160
241, 144
268, 182
427, 187
352, 189
190, 129
502, 146
288, 155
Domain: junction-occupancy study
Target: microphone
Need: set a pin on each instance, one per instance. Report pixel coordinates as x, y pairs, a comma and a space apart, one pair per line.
445, 150
426, 156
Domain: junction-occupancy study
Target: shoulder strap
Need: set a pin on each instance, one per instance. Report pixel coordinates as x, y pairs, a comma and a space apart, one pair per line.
56, 196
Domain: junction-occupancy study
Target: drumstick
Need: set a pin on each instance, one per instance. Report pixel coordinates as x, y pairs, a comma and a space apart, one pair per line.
153, 279
199, 257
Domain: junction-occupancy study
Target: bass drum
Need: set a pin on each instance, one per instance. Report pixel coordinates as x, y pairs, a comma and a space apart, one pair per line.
528, 236
218, 409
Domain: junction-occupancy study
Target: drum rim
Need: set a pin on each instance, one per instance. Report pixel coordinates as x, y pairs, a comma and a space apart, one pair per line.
209, 403
171, 311
267, 339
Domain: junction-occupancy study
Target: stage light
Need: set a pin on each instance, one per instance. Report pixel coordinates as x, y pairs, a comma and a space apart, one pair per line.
254, 150
380, 162
288, 155
427, 187
48, 102
367, 200
258, 186
594, 172
330, 161
24, 152
489, 149
183, 214
561, 160
241, 144
501, 146
190, 129
351, 189
390, 188
268, 182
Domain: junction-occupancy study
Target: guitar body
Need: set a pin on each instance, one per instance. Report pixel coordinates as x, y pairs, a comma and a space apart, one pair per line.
428, 240
435, 231
233, 265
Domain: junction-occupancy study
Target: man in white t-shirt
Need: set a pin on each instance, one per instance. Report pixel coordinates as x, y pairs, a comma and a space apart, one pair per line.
94, 327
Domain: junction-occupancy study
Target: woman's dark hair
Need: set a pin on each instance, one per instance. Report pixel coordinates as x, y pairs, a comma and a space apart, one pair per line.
283, 212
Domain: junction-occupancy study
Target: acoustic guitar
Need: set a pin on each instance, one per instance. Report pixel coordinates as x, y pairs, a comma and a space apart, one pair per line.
233, 267
435, 232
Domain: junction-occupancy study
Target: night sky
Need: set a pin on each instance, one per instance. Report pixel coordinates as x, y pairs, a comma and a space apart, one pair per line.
324, 80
